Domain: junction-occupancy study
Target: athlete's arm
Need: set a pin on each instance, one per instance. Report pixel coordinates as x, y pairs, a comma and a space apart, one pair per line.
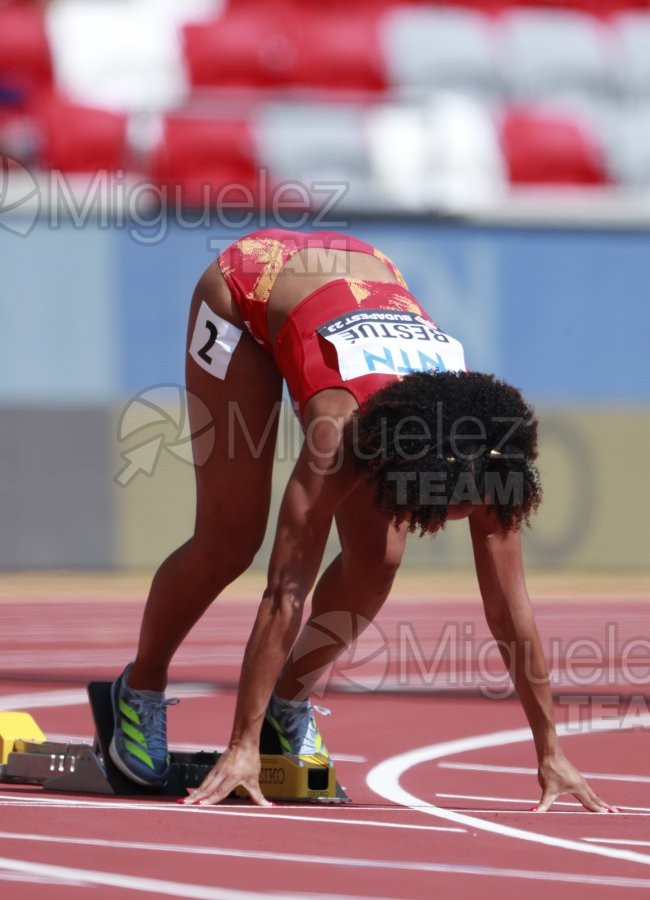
510, 618
320, 481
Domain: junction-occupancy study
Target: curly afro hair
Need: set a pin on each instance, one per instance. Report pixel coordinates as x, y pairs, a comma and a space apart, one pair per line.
439, 439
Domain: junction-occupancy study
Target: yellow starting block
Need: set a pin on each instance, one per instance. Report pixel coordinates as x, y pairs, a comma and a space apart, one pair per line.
288, 777
28, 758
17, 726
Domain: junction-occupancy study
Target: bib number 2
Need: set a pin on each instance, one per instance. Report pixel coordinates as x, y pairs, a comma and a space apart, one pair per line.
213, 342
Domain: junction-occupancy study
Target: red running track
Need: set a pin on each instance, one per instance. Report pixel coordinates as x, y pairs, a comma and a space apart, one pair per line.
441, 784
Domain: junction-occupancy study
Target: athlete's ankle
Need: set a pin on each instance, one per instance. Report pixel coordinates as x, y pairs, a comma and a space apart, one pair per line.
293, 693
284, 702
145, 678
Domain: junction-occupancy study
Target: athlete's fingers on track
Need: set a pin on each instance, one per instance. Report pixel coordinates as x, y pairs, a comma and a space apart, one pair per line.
218, 786
590, 800
256, 794
211, 795
558, 776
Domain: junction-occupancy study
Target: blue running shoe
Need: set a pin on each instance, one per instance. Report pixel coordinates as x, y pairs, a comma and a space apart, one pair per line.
139, 745
296, 728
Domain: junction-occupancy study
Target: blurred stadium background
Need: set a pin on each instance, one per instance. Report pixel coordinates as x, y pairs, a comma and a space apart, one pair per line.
498, 151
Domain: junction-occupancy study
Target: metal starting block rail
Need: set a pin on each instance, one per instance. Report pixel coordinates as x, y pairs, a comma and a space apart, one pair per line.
26, 757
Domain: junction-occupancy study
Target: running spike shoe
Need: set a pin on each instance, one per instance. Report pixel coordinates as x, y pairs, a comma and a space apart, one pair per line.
296, 728
139, 745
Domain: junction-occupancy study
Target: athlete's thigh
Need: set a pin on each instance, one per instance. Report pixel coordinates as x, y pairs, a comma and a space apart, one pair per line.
234, 392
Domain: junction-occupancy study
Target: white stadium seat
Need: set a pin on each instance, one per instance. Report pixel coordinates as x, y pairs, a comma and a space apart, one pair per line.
120, 55
627, 142
631, 44
323, 142
440, 49
547, 53
441, 153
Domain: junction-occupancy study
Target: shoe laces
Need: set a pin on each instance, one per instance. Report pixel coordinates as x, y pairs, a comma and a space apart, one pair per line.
298, 722
153, 719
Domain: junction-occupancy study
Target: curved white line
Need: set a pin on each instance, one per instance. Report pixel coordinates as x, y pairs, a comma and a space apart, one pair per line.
384, 781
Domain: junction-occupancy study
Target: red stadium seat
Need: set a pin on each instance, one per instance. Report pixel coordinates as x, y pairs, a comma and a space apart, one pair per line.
240, 49
548, 148
486, 7
600, 8
205, 160
339, 50
79, 138
298, 46
24, 51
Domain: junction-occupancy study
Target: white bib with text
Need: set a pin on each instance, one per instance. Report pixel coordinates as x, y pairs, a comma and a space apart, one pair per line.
383, 342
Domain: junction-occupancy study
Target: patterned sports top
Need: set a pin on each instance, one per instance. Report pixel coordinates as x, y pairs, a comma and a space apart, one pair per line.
251, 265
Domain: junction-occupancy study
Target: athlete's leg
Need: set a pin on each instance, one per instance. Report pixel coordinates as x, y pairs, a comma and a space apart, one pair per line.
357, 581
233, 491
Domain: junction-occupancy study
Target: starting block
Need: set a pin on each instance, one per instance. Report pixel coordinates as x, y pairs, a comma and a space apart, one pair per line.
26, 757
17, 726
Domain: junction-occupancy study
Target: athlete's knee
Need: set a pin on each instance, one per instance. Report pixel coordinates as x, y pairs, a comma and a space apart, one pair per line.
223, 554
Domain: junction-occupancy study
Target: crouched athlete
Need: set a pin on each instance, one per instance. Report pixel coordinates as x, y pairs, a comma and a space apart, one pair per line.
385, 452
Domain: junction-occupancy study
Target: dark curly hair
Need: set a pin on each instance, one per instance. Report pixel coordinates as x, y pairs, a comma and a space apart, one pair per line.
436, 439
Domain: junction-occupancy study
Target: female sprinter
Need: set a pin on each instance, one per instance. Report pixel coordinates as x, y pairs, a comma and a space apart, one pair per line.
333, 317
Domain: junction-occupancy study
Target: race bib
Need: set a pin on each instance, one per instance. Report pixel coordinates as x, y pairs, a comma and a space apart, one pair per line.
214, 340
382, 342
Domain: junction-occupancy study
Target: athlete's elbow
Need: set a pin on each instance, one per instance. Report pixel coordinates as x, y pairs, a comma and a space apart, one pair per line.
285, 601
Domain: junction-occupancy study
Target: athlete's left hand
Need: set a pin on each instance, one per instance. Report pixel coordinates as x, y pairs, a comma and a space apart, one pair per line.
556, 776
236, 767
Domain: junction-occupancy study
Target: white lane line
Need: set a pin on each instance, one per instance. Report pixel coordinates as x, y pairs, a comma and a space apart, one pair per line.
622, 841
26, 802
308, 859
155, 886
44, 699
27, 878
384, 780
521, 770
641, 809
79, 697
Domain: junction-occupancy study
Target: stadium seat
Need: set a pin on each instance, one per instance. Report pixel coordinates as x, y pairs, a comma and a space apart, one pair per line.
80, 139
124, 56
627, 141
441, 48
338, 50
240, 49
545, 53
601, 9
485, 7
439, 154
282, 47
631, 46
310, 144
543, 146
25, 63
198, 159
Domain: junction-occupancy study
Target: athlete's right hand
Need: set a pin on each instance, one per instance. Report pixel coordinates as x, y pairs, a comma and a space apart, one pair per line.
236, 767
